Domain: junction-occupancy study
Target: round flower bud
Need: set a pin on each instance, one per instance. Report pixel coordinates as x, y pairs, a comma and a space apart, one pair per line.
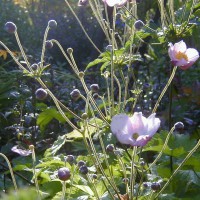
31, 147
81, 163
155, 186
64, 173
142, 163
34, 66
110, 148
94, 176
82, 2
94, 88
145, 184
52, 24
95, 96
41, 94
49, 44
75, 94
138, 24
81, 74
83, 169
84, 116
70, 50
70, 158
109, 48
125, 180
10, 27
179, 126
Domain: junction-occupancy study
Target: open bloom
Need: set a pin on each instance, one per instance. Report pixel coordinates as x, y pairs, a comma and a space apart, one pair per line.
182, 56
20, 151
117, 3
136, 130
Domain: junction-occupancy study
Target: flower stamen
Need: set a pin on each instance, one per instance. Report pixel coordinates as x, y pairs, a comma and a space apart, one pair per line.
181, 55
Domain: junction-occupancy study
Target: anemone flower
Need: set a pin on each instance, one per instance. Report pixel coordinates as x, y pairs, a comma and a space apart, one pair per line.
182, 56
118, 3
136, 130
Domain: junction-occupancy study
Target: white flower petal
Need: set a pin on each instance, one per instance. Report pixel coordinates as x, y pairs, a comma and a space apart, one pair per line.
153, 124
180, 47
192, 54
139, 123
121, 127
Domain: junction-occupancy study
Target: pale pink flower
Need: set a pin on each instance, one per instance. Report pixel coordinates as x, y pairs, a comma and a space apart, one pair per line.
117, 3
136, 130
20, 151
182, 56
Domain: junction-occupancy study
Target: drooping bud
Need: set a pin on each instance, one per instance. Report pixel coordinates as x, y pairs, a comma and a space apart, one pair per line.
84, 116
138, 24
179, 126
41, 94
110, 148
10, 27
82, 2
75, 94
83, 169
81, 163
94, 88
155, 186
52, 23
81, 74
70, 50
49, 44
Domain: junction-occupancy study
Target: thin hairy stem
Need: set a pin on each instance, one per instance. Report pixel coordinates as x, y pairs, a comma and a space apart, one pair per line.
71, 9
43, 46
11, 171
165, 89
179, 167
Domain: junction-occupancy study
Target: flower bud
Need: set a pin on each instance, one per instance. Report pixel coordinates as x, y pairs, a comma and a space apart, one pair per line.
52, 24
95, 96
64, 173
10, 27
109, 48
94, 176
94, 88
31, 147
125, 180
82, 2
81, 163
41, 94
70, 158
81, 74
34, 66
49, 44
75, 94
138, 24
70, 50
155, 186
179, 126
110, 148
83, 169
84, 116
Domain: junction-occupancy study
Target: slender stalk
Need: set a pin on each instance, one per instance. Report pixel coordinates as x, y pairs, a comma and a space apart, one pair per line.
63, 190
179, 167
71, 9
22, 51
11, 171
43, 46
32, 148
133, 173
163, 148
165, 89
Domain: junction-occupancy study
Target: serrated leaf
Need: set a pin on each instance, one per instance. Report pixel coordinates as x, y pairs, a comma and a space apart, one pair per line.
47, 115
57, 145
85, 189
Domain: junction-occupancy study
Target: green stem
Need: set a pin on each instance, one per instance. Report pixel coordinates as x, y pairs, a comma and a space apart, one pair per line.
179, 167
11, 171
165, 89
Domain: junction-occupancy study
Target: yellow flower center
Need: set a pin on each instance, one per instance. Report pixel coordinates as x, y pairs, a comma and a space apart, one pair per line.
135, 136
181, 55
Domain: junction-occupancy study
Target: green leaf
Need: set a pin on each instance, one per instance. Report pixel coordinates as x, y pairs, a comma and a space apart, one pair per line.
47, 115
85, 189
95, 62
57, 145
